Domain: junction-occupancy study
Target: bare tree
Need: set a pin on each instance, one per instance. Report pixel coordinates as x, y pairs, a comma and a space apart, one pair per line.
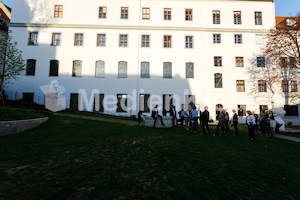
11, 62
281, 63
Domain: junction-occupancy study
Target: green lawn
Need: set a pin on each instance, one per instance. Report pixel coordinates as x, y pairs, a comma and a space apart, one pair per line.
70, 158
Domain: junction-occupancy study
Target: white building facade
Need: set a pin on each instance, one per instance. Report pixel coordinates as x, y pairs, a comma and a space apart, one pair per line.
192, 50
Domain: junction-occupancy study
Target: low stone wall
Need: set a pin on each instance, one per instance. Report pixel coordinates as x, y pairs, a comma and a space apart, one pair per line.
13, 127
149, 121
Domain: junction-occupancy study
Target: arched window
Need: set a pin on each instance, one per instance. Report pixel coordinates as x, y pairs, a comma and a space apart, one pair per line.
53, 68
30, 67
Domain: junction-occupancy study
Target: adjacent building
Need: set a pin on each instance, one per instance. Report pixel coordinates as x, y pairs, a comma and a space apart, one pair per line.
5, 15
140, 53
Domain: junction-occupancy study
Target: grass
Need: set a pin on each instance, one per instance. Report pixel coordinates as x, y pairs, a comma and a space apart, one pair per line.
21, 113
72, 158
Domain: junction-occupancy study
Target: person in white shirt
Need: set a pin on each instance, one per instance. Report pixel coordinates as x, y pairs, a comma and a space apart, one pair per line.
250, 121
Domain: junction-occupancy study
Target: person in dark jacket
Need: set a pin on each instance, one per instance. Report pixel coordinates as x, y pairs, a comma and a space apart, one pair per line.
156, 116
205, 119
234, 122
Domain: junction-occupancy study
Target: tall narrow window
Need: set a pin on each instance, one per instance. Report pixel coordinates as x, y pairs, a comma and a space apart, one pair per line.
30, 67
101, 40
33, 38
216, 17
100, 69
189, 14
189, 42
53, 68
78, 39
217, 61
56, 37
145, 13
261, 62
189, 70
238, 39
77, 67
218, 80
237, 17
123, 40
58, 11
217, 38
122, 69
262, 86
167, 70
167, 13
144, 102
240, 85
121, 102
167, 41
124, 12
285, 85
145, 41
239, 61
145, 70
258, 18
294, 86
102, 12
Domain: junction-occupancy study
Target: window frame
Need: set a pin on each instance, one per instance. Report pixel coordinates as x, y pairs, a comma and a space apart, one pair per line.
216, 15
168, 14
75, 70
167, 70
124, 13
145, 41
262, 86
218, 84
258, 18
188, 14
189, 42
78, 39
192, 70
217, 38
239, 61
58, 11
102, 13
146, 13
237, 17
123, 42
240, 85
99, 73
100, 40
217, 61
54, 68
238, 39
56, 41
167, 41
30, 69
33, 41
145, 67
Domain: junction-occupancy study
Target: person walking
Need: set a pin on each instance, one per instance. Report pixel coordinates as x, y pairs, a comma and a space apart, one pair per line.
173, 113
234, 121
205, 119
226, 120
195, 119
221, 124
250, 121
156, 116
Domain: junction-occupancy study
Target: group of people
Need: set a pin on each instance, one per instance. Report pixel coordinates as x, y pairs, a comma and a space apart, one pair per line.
193, 119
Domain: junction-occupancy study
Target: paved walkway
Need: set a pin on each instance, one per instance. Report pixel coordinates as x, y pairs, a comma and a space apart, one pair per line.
295, 139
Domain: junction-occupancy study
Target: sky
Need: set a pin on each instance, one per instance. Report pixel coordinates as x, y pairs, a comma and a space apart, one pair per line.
282, 7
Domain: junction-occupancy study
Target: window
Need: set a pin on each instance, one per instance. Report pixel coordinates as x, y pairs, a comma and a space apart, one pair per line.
258, 18
240, 85
53, 68
261, 61
102, 12
294, 86
100, 69
56, 37
77, 67
167, 102
33, 38
238, 39
30, 67
217, 38
124, 12
237, 17
263, 108
74, 101
167, 70
167, 13
78, 40
122, 69
217, 61
216, 17
291, 110
239, 61
167, 41
28, 97
189, 14
121, 102
241, 110
262, 86
218, 80
285, 86
58, 11
123, 41
145, 41
99, 102
188, 42
145, 13
259, 39
144, 102
145, 70
189, 70
189, 101
101, 38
